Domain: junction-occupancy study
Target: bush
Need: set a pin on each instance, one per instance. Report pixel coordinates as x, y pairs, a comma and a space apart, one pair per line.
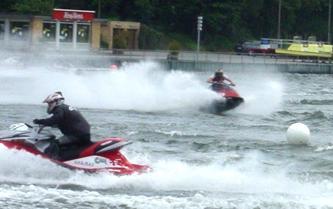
120, 40
151, 39
174, 46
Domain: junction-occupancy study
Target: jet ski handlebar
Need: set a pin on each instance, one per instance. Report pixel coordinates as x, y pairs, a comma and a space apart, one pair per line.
28, 125
40, 128
222, 83
37, 128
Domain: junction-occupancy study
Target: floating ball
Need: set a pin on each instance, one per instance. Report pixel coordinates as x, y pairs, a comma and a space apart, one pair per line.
298, 133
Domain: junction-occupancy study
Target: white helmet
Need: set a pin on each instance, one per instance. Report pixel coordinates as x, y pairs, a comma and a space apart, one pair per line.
53, 100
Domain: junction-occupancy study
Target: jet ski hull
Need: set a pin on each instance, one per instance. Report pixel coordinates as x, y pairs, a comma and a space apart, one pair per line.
115, 162
101, 156
219, 106
229, 100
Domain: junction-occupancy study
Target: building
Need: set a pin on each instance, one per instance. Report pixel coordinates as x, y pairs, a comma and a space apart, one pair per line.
67, 29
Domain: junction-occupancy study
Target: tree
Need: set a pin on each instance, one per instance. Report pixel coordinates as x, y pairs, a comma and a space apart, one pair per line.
38, 7
225, 21
6, 5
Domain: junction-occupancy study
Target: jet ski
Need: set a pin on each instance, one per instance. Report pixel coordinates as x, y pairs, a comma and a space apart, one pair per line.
100, 156
230, 99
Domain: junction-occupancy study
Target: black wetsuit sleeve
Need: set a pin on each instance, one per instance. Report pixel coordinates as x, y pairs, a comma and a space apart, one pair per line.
55, 119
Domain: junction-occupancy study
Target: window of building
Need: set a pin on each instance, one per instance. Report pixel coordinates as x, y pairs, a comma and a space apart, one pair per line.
49, 31
66, 32
2, 30
19, 30
83, 33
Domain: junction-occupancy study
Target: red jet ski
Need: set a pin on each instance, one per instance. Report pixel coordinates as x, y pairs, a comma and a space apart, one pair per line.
100, 156
230, 99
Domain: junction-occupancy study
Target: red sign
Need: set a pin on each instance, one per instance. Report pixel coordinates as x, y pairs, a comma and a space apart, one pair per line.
72, 15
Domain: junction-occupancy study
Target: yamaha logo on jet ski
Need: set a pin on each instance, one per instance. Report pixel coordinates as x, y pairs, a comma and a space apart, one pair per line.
84, 163
99, 160
96, 162
99, 156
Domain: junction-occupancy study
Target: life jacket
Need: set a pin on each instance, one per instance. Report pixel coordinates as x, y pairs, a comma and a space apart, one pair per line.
218, 79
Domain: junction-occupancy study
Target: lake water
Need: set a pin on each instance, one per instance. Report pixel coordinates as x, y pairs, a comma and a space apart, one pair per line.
238, 160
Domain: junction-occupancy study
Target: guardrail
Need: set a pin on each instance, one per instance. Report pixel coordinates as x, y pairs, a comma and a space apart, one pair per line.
187, 56
225, 57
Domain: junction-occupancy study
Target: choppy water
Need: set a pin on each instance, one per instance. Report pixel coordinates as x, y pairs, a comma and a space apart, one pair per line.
201, 161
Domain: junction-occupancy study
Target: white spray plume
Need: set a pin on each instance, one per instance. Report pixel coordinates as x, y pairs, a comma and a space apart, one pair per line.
262, 92
142, 86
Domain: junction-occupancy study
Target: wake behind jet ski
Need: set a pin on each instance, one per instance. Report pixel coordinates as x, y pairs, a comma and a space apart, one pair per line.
100, 156
230, 99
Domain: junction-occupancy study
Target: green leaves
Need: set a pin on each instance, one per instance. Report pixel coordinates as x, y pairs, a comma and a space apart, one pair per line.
224, 21
38, 7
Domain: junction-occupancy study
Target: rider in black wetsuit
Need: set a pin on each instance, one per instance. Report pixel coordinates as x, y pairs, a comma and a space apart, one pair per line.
71, 123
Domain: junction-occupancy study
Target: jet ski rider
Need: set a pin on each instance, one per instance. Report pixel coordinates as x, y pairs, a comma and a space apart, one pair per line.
218, 80
74, 127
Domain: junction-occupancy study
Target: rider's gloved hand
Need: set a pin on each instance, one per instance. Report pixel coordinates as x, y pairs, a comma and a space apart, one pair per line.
36, 121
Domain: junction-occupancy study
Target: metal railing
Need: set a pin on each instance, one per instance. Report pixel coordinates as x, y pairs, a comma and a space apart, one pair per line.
225, 57
187, 56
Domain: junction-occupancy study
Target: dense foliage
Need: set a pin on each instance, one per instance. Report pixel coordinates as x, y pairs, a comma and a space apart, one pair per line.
226, 22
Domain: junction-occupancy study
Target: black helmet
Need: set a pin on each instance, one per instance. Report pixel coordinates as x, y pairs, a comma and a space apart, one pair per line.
219, 73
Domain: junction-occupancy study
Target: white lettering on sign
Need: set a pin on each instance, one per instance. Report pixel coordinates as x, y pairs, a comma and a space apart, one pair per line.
73, 15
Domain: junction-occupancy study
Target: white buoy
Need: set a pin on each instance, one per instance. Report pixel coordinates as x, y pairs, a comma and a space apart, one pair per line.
298, 133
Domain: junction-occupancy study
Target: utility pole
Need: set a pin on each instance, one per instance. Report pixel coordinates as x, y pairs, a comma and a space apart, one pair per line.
329, 22
99, 9
199, 29
279, 22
